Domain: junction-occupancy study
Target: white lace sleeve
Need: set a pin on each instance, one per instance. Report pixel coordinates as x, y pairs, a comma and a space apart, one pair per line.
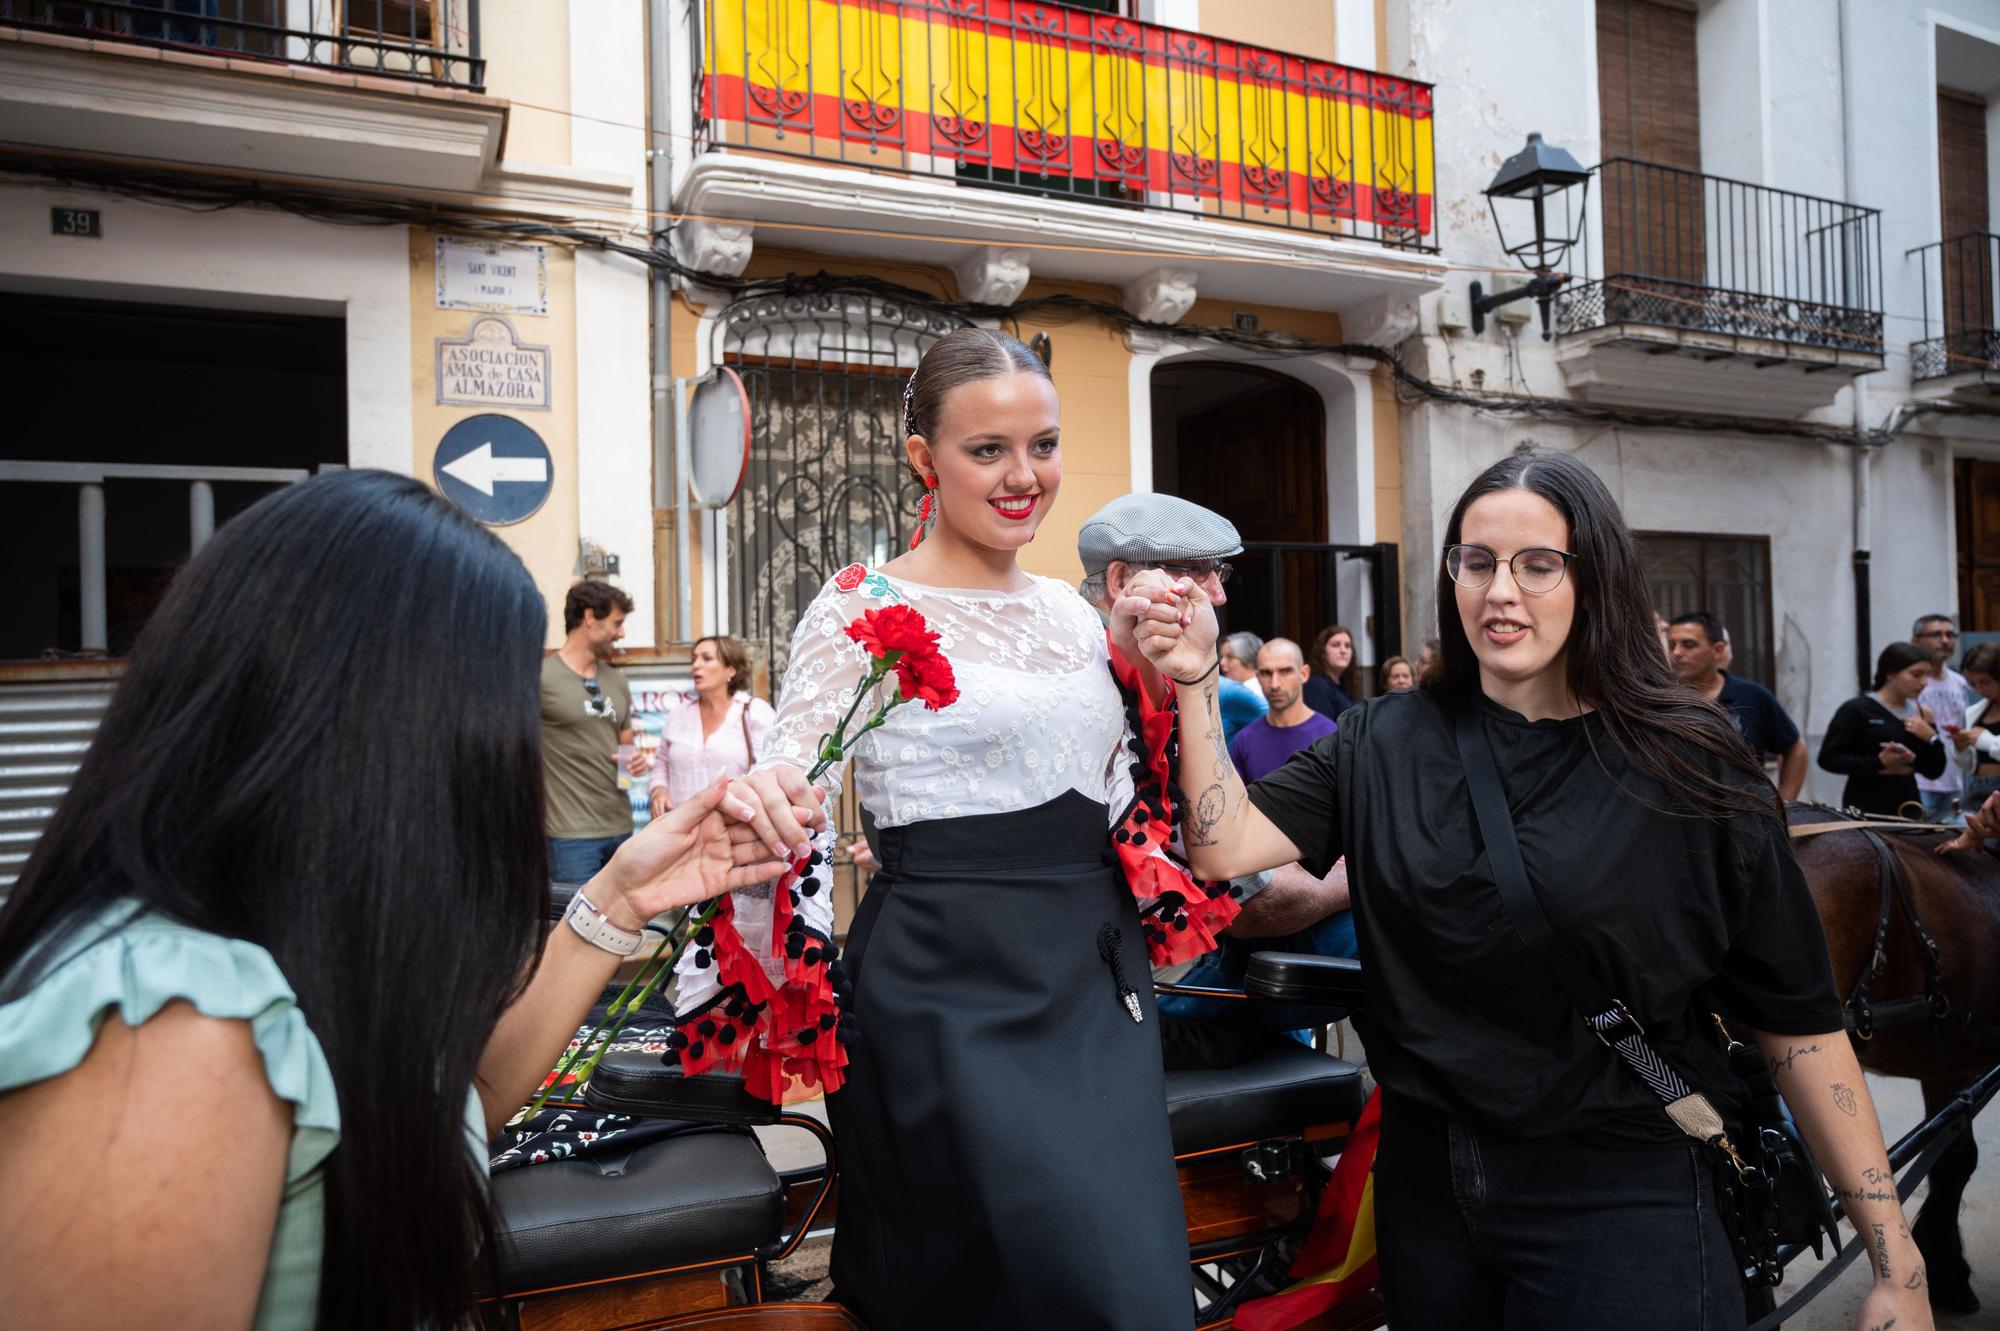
825, 669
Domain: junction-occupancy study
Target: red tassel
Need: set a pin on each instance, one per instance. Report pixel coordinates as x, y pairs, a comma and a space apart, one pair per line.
924, 513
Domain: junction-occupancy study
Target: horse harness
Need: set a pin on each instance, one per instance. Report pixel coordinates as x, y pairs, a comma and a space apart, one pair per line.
1934, 1007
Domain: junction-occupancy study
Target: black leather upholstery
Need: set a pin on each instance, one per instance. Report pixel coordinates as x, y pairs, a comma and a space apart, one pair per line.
1302, 977
691, 1198
645, 1086
1278, 1093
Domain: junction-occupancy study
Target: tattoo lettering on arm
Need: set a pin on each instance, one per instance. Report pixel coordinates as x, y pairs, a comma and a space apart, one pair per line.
1866, 1194
1874, 1175
1881, 1251
1843, 1099
1792, 1055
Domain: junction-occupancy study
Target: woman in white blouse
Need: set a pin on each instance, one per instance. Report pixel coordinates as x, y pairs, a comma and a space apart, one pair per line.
1004, 1152
718, 731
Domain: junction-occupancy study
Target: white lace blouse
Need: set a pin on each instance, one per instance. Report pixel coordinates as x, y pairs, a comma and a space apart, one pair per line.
1038, 713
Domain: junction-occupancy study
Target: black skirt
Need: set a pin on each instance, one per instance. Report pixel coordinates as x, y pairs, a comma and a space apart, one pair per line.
1004, 1154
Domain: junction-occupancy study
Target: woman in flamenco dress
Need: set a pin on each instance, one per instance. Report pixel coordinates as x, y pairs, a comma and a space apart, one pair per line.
997, 1091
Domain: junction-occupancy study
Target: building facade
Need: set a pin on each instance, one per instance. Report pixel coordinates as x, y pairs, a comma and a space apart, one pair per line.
1773, 332
512, 246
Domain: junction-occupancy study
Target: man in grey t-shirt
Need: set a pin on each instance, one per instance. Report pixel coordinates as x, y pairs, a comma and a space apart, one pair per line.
586, 715
1947, 695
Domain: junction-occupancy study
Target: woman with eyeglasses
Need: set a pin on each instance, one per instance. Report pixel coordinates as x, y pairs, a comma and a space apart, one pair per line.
1528, 1176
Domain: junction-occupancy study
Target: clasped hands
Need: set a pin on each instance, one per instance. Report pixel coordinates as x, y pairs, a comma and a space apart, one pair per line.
1167, 622
734, 834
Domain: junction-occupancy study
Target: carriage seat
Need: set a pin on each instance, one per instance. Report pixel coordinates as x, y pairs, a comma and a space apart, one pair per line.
1279, 1092
699, 1196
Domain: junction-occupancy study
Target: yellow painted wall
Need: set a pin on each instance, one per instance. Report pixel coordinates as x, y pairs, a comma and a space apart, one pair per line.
1388, 457
547, 541
526, 47
1301, 27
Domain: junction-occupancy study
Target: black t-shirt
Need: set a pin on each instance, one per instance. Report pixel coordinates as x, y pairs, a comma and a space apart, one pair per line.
1676, 915
1853, 747
1762, 722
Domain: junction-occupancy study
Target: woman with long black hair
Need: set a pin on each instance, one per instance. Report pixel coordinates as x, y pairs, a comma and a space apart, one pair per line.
1527, 1177
278, 967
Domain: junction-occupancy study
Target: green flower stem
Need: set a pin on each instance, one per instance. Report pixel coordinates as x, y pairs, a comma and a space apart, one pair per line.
624, 1005
582, 1061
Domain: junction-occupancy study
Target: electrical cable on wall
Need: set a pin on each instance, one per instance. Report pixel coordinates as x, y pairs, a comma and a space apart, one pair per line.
196, 193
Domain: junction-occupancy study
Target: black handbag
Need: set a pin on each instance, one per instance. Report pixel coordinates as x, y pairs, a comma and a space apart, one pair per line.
1769, 1188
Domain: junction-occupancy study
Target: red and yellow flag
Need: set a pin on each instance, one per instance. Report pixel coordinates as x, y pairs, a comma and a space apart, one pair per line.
1337, 1264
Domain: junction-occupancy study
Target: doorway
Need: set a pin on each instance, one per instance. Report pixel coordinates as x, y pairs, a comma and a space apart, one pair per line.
1250, 444
144, 386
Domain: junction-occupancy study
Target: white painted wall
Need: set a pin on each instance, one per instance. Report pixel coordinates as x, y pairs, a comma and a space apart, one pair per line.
239, 258
607, 44
1782, 96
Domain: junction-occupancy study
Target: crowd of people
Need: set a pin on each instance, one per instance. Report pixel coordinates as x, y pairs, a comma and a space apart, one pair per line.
355, 953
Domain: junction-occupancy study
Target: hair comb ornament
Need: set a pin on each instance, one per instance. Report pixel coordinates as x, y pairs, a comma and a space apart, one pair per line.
909, 400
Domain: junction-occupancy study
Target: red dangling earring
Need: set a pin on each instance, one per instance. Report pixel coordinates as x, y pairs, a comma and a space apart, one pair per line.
924, 513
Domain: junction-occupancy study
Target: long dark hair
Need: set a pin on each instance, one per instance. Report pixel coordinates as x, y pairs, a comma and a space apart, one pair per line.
1349, 679
1612, 658
327, 742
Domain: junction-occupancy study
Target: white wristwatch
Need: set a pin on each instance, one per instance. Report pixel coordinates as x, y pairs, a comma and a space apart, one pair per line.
594, 927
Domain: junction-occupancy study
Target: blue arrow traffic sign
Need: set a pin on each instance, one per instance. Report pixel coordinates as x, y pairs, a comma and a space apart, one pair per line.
495, 468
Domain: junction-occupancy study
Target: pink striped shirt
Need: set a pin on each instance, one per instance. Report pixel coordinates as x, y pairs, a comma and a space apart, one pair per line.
688, 763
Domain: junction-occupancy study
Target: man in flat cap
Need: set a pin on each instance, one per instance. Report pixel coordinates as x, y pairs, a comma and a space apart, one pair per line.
1288, 909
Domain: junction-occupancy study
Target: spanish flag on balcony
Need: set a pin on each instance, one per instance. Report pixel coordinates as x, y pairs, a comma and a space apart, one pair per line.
1048, 98
1337, 1264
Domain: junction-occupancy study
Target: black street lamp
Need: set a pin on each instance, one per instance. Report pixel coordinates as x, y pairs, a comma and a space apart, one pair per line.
1528, 180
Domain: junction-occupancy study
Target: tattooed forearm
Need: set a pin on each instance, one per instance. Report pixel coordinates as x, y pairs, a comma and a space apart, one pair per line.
1866, 1194
1792, 1054
1843, 1099
1881, 1252
1205, 816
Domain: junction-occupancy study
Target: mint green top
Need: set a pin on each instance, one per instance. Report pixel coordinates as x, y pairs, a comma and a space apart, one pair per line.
138, 969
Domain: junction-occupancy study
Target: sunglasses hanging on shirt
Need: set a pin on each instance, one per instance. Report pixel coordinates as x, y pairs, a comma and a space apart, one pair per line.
595, 704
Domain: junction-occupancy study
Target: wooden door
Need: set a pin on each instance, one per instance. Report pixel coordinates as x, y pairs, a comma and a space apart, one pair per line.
1968, 265
1977, 498
1649, 111
1260, 461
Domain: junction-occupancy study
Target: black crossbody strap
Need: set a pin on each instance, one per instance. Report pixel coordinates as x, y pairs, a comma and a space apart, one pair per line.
1605, 1015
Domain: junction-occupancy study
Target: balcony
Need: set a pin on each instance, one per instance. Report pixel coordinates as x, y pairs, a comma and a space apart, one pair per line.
1042, 121
377, 91
1720, 296
415, 41
1958, 357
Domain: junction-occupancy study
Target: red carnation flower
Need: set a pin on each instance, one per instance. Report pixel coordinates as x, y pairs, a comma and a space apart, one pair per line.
892, 629
850, 577
926, 677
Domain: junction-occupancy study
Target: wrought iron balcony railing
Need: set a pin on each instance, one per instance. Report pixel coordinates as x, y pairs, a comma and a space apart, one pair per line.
417, 41
1702, 253
1051, 100
1961, 301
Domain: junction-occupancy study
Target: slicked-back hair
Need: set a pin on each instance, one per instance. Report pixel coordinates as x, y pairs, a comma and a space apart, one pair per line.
288, 761
963, 356
1612, 657
1707, 623
597, 596
1895, 659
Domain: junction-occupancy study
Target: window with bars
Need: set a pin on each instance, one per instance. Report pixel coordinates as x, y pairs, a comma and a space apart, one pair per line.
1730, 578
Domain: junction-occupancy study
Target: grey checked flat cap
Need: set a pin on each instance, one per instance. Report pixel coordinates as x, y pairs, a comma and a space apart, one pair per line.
1154, 528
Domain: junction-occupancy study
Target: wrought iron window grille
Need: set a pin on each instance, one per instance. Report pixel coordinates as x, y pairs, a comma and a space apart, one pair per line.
1061, 101
1680, 249
415, 41
1960, 282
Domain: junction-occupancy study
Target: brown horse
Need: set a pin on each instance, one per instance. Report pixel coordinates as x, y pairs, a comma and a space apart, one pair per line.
1933, 1015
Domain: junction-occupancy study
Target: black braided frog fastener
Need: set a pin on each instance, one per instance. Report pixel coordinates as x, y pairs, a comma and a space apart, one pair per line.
1109, 940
